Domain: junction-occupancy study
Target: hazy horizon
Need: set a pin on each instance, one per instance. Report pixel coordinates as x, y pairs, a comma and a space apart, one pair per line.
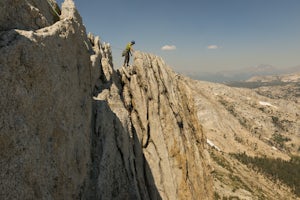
200, 35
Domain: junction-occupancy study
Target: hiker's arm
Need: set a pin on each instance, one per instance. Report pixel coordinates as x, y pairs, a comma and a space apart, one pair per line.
131, 50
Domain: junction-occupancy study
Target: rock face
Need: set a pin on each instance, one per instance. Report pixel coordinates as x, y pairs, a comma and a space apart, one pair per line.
152, 134
73, 127
245, 119
138, 139
257, 122
45, 103
27, 15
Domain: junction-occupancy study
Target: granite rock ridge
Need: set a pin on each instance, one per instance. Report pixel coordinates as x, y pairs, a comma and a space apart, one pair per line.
47, 74
73, 127
161, 144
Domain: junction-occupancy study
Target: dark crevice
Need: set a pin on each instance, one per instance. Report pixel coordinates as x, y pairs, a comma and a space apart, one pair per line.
91, 184
116, 131
148, 129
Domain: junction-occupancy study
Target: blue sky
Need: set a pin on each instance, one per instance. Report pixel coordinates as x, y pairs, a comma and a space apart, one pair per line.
202, 35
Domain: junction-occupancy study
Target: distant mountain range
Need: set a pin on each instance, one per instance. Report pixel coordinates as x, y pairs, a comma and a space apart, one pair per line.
285, 78
242, 74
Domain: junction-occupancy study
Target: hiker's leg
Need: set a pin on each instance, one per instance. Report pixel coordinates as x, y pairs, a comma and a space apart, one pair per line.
126, 59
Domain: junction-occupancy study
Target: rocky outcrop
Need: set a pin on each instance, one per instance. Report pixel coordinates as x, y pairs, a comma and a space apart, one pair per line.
138, 139
285, 86
45, 104
246, 120
152, 133
164, 117
238, 120
27, 15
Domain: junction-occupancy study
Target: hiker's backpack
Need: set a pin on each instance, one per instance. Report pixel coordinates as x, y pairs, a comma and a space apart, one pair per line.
124, 53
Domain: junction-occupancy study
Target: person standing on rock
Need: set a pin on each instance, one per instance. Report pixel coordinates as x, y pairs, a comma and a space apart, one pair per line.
128, 52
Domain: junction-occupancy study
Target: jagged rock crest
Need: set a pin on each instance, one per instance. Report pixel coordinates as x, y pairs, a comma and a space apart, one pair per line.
139, 137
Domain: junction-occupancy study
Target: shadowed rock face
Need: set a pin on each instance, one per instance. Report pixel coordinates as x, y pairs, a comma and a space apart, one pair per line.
139, 138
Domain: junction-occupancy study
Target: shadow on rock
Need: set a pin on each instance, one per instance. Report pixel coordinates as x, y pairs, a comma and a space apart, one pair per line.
118, 167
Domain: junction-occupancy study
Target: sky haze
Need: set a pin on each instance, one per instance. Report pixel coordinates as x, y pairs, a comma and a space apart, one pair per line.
200, 35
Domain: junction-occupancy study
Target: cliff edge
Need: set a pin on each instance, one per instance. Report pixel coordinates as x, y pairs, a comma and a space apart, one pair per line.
137, 138
45, 104
161, 144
